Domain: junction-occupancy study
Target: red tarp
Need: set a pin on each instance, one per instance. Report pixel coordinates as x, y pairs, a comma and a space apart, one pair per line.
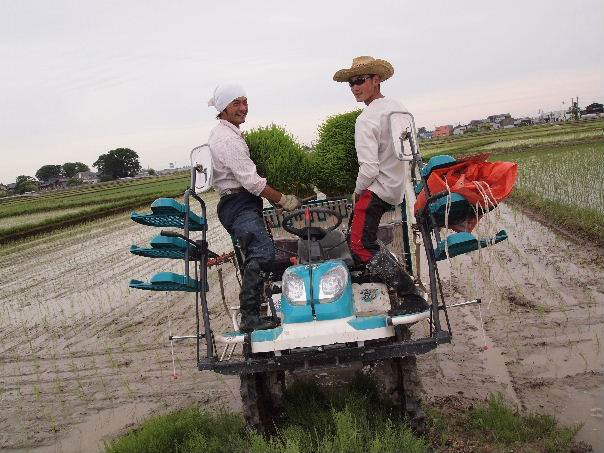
496, 179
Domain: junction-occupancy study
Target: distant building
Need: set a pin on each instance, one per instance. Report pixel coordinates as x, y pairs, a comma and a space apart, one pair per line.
507, 122
53, 183
526, 121
424, 134
552, 117
443, 131
459, 130
87, 176
498, 118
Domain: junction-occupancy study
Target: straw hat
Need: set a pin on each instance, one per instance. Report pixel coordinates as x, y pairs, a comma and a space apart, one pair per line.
365, 65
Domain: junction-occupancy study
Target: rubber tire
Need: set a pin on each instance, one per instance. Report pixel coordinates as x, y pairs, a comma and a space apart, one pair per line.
399, 381
262, 398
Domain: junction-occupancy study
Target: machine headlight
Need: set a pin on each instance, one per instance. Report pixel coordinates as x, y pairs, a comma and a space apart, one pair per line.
333, 283
294, 288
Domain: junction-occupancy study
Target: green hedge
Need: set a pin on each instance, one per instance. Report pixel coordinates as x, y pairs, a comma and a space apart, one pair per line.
334, 161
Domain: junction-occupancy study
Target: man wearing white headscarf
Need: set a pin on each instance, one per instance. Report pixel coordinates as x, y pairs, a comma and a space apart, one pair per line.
240, 206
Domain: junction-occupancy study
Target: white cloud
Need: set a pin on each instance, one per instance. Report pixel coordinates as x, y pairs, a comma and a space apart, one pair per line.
81, 78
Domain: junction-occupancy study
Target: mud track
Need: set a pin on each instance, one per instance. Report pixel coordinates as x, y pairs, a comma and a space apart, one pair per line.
82, 357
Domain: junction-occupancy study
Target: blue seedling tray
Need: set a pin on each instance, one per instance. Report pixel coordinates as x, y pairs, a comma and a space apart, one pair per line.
434, 163
167, 212
437, 162
459, 210
460, 243
164, 247
168, 281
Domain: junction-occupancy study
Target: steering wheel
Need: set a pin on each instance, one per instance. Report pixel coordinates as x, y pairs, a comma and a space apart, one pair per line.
315, 232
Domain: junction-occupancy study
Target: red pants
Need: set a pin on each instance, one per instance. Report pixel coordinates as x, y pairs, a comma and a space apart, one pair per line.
365, 222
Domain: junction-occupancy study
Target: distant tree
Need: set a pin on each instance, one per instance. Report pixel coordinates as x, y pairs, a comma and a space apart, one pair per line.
117, 163
151, 172
70, 169
47, 172
25, 184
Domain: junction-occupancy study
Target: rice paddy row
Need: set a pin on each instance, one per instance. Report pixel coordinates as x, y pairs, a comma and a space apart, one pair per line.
564, 184
560, 170
516, 138
29, 216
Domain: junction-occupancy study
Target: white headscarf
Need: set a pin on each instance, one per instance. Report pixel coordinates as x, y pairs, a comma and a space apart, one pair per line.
225, 94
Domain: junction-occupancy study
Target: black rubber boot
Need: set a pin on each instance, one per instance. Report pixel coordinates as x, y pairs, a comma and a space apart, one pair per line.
386, 267
250, 298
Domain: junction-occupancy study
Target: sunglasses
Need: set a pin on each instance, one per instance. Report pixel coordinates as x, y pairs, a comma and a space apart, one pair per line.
358, 80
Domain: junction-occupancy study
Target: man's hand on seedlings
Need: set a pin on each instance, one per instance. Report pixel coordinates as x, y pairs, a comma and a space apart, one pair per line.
289, 202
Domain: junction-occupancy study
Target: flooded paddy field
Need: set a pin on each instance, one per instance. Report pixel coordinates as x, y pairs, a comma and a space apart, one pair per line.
83, 357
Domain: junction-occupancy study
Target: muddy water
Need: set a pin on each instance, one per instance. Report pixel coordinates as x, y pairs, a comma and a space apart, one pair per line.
82, 357
541, 321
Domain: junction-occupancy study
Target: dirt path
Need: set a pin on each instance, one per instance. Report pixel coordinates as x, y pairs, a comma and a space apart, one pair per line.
82, 357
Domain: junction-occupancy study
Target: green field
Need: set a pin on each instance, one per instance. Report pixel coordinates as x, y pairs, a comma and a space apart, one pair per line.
354, 419
516, 139
560, 176
25, 216
560, 169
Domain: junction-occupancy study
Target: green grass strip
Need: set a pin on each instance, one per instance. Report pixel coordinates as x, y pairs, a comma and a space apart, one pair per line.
86, 197
354, 419
75, 218
584, 221
501, 424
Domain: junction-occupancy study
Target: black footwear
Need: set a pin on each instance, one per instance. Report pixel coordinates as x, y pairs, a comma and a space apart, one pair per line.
385, 266
411, 304
251, 323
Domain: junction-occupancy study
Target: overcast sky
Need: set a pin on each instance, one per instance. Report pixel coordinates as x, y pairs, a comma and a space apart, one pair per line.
80, 78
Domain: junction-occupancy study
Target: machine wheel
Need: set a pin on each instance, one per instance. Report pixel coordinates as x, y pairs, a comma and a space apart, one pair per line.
400, 384
262, 398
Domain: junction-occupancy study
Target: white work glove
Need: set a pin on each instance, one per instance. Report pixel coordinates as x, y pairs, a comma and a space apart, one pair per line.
289, 202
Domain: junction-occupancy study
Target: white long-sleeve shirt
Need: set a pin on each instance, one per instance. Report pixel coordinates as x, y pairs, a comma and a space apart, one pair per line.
232, 166
379, 169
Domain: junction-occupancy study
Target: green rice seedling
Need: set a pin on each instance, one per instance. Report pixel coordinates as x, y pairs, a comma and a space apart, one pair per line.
334, 160
353, 419
499, 423
280, 159
495, 426
190, 430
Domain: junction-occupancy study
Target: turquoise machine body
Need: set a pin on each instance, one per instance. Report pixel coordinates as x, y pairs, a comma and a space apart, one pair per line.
342, 307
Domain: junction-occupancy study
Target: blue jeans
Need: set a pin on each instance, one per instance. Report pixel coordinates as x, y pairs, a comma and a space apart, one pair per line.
241, 215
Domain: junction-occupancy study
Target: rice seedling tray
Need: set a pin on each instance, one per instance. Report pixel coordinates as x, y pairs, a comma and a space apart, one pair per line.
168, 281
167, 212
164, 247
460, 243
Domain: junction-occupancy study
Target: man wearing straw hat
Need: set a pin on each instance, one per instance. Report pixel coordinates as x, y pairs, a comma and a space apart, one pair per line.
380, 181
240, 206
